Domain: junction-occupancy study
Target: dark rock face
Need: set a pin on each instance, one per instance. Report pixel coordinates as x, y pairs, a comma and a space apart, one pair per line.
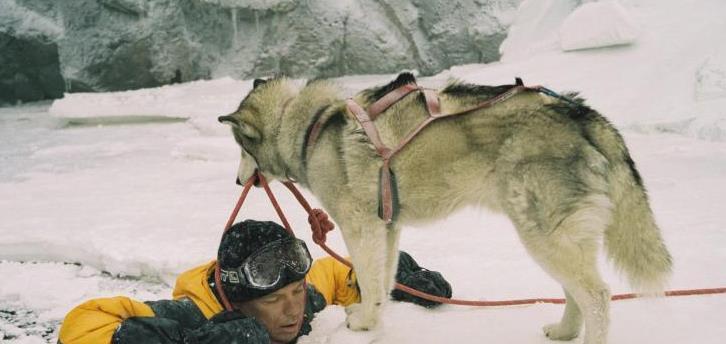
109, 45
113, 45
30, 70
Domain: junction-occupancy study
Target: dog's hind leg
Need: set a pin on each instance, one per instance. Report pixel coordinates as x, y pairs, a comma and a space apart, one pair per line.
561, 219
569, 326
592, 298
572, 260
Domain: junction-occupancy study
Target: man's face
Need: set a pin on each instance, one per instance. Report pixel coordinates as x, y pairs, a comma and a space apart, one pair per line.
280, 312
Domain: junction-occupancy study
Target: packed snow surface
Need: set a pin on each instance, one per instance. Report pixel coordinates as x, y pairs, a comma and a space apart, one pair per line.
117, 193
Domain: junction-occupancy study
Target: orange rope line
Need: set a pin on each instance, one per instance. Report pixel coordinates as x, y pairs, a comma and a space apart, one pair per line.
319, 238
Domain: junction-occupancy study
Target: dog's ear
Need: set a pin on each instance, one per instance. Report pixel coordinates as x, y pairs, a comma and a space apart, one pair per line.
258, 82
229, 119
405, 78
245, 129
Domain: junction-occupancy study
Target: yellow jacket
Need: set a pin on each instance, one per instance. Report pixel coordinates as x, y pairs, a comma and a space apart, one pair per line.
335, 281
96, 321
192, 284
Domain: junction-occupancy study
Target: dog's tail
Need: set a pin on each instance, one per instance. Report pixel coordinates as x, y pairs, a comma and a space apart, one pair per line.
632, 240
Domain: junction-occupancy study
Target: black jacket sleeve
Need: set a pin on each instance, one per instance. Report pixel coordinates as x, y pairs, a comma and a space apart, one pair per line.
181, 322
152, 330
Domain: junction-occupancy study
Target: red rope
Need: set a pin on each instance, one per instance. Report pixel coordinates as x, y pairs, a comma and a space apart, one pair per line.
241, 200
275, 204
248, 185
319, 237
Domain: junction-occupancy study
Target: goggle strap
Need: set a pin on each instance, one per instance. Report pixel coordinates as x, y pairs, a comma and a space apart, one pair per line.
220, 291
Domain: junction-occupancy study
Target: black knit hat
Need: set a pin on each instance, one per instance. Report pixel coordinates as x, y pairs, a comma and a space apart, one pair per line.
239, 242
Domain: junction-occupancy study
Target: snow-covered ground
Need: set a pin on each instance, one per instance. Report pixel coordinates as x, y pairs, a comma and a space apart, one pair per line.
115, 194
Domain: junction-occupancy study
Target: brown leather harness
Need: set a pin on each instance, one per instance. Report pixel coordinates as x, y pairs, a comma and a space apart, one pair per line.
387, 199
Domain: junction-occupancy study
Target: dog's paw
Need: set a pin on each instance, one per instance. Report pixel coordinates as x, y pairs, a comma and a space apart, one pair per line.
352, 308
558, 331
358, 319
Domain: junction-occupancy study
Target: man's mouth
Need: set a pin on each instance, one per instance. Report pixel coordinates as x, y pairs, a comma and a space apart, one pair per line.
293, 327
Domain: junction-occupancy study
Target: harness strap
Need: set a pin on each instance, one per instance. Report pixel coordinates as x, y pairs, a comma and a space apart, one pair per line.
389, 99
388, 205
432, 102
387, 208
497, 99
368, 115
367, 124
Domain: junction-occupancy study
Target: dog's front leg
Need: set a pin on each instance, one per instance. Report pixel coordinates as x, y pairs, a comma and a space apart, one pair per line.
393, 233
367, 245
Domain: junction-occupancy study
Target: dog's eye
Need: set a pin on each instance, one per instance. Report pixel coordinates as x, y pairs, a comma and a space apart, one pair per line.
249, 132
246, 134
237, 137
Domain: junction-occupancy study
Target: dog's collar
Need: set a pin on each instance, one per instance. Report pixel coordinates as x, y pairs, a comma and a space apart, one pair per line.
284, 106
313, 132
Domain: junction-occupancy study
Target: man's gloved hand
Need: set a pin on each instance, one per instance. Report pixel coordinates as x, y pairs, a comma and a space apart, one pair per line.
412, 275
230, 328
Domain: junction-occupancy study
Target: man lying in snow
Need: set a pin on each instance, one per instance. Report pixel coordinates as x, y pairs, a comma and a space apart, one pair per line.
265, 270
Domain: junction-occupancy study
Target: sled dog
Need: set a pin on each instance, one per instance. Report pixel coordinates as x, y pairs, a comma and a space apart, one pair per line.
557, 168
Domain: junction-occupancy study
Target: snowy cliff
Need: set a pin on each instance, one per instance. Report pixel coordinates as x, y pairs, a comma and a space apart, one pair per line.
107, 45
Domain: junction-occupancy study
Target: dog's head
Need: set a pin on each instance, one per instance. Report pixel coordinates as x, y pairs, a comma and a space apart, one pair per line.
255, 126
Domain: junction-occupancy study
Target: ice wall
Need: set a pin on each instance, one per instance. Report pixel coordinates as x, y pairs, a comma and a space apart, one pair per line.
108, 45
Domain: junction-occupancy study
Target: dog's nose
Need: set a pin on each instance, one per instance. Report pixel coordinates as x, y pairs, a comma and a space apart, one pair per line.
225, 119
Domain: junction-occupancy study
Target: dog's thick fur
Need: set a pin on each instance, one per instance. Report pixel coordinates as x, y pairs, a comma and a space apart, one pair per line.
557, 168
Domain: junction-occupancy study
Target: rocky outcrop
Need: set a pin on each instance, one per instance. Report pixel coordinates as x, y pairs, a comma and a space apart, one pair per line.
29, 71
29, 62
108, 45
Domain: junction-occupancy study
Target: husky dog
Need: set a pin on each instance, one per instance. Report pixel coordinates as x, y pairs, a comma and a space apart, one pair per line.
557, 168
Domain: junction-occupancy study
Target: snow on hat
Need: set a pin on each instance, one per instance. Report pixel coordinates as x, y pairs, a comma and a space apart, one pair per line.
239, 242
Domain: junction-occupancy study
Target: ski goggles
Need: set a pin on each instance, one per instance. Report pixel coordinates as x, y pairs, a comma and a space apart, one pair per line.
264, 269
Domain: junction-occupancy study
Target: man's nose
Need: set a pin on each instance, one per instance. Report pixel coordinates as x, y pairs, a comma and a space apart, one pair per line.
293, 306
